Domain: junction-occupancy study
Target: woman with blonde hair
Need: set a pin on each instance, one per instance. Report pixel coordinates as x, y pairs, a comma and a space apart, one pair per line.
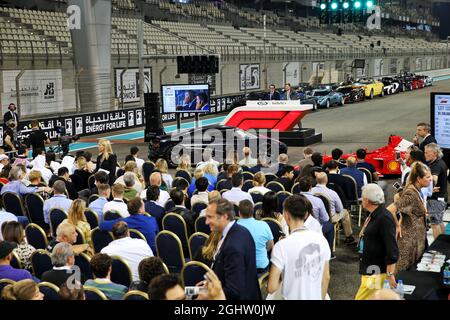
205, 253
81, 174
106, 159
198, 173
162, 166
22, 290
411, 206
259, 180
77, 218
185, 163
210, 172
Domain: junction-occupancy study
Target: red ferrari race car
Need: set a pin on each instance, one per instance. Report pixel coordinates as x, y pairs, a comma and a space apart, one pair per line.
386, 160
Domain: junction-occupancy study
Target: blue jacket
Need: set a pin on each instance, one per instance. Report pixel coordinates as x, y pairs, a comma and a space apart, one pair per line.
235, 265
357, 175
156, 211
146, 225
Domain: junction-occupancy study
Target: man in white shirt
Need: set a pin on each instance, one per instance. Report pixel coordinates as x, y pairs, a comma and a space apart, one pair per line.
133, 251
117, 204
236, 195
156, 180
302, 257
338, 213
201, 184
248, 161
134, 151
207, 158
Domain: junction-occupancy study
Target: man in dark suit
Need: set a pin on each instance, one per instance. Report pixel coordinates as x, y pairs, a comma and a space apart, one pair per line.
235, 257
287, 176
63, 260
152, 207
337, 179
189, 217
11, 114
289, 94
423, 136
273, 94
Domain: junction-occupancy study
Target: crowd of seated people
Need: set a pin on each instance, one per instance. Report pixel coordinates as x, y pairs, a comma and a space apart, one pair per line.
131, 211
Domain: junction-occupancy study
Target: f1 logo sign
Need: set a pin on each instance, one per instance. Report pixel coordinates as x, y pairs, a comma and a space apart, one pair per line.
74, 19
374, 20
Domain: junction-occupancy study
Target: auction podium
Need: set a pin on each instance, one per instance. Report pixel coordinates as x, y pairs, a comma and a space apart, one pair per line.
282, 115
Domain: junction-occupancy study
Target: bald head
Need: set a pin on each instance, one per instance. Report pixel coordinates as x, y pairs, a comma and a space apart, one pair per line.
385, 294
321, 178
155, 179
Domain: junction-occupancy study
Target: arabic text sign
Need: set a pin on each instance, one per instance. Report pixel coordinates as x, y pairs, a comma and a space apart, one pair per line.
250, 77
131, 84
40, 91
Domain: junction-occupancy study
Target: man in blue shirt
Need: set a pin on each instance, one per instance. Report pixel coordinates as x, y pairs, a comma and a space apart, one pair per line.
260, 232
104, 191
137, 220
319, 211
361, 163
16, 186
359, 176
6, 270
59, 200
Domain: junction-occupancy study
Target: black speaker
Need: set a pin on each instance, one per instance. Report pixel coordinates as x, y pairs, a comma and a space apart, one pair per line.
197, 64
153, 119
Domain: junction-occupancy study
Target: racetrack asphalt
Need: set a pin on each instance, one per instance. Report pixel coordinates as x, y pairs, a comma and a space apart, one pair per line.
365, 124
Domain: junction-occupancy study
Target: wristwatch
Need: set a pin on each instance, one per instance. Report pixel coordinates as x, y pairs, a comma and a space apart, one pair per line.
389, 274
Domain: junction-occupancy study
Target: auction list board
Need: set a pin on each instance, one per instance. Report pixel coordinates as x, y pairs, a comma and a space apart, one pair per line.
440, 118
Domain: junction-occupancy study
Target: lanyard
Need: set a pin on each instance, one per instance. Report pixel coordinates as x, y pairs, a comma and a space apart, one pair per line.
303, 228
366, 223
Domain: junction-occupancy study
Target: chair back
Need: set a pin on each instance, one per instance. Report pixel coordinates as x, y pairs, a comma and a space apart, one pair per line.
92, 218
136, 234
56, 216
147, 169
198, 207
221, 185
92, 293
367, 173
281, 196
170, 250
50, 291
256, 207
270, 177
295, 188
91, 181
248, 184
326, 202
169, 204
83, 261
111, 215
337, 188
13, 203
177, 180
41, 262
80, 236
4, 283
353, 196
121, 272
275, 227
201, 226
15, 261
36, 236
175, 223
100, 239
236, 210
183, 174
247, 175
275, 186
257, 197
196, 241
263, 281
34, 205
135, 295
193, 272
92, 198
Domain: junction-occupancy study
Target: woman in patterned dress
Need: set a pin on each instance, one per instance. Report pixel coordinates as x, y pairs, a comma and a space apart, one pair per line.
412, 208
13, 231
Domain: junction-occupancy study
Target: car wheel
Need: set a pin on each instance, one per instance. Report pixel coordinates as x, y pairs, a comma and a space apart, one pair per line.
382, 93
314, 105
342, 101
411, 87
371, 94
403, 88
328, 104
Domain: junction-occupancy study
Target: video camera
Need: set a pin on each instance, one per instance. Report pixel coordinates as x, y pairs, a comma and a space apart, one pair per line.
64, 140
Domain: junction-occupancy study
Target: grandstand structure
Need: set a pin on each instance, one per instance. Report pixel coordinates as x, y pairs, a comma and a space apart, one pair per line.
40, 38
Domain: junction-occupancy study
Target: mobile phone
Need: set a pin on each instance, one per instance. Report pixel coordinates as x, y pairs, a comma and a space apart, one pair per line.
397, 155
194, 291
397, 186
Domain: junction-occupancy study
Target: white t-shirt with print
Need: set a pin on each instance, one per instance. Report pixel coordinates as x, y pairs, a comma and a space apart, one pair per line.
311, 224
301, 257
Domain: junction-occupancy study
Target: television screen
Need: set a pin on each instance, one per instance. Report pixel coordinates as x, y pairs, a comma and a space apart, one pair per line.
185, 98
440, 118
360, 63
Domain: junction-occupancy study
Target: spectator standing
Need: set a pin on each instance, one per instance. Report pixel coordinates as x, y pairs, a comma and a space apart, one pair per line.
134, 151
106, 159
423, 136
38, 138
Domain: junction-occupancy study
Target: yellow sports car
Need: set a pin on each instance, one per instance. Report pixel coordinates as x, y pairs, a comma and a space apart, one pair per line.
371, 87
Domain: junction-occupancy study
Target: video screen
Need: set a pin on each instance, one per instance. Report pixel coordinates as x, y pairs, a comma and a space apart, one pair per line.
185, 98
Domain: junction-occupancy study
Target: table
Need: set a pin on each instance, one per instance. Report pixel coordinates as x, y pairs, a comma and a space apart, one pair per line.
428, 284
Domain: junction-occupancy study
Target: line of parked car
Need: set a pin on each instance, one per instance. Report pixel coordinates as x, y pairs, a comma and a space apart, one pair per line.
326, 96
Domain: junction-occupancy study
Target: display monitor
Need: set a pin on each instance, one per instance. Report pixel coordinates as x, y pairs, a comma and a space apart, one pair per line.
185, 98
440, 118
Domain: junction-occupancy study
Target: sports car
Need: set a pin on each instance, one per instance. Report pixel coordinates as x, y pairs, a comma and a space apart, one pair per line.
352, 93
386, 160
411, 81
391, 85
371, 87
326, 97
427, 80
220, 139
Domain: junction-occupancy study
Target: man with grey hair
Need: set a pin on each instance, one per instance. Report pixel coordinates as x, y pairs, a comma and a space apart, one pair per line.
16, 185
437, 203
377, 244
423, 136
66, 232
235, 256
59, 200
247, 159
63, 260
129, 180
